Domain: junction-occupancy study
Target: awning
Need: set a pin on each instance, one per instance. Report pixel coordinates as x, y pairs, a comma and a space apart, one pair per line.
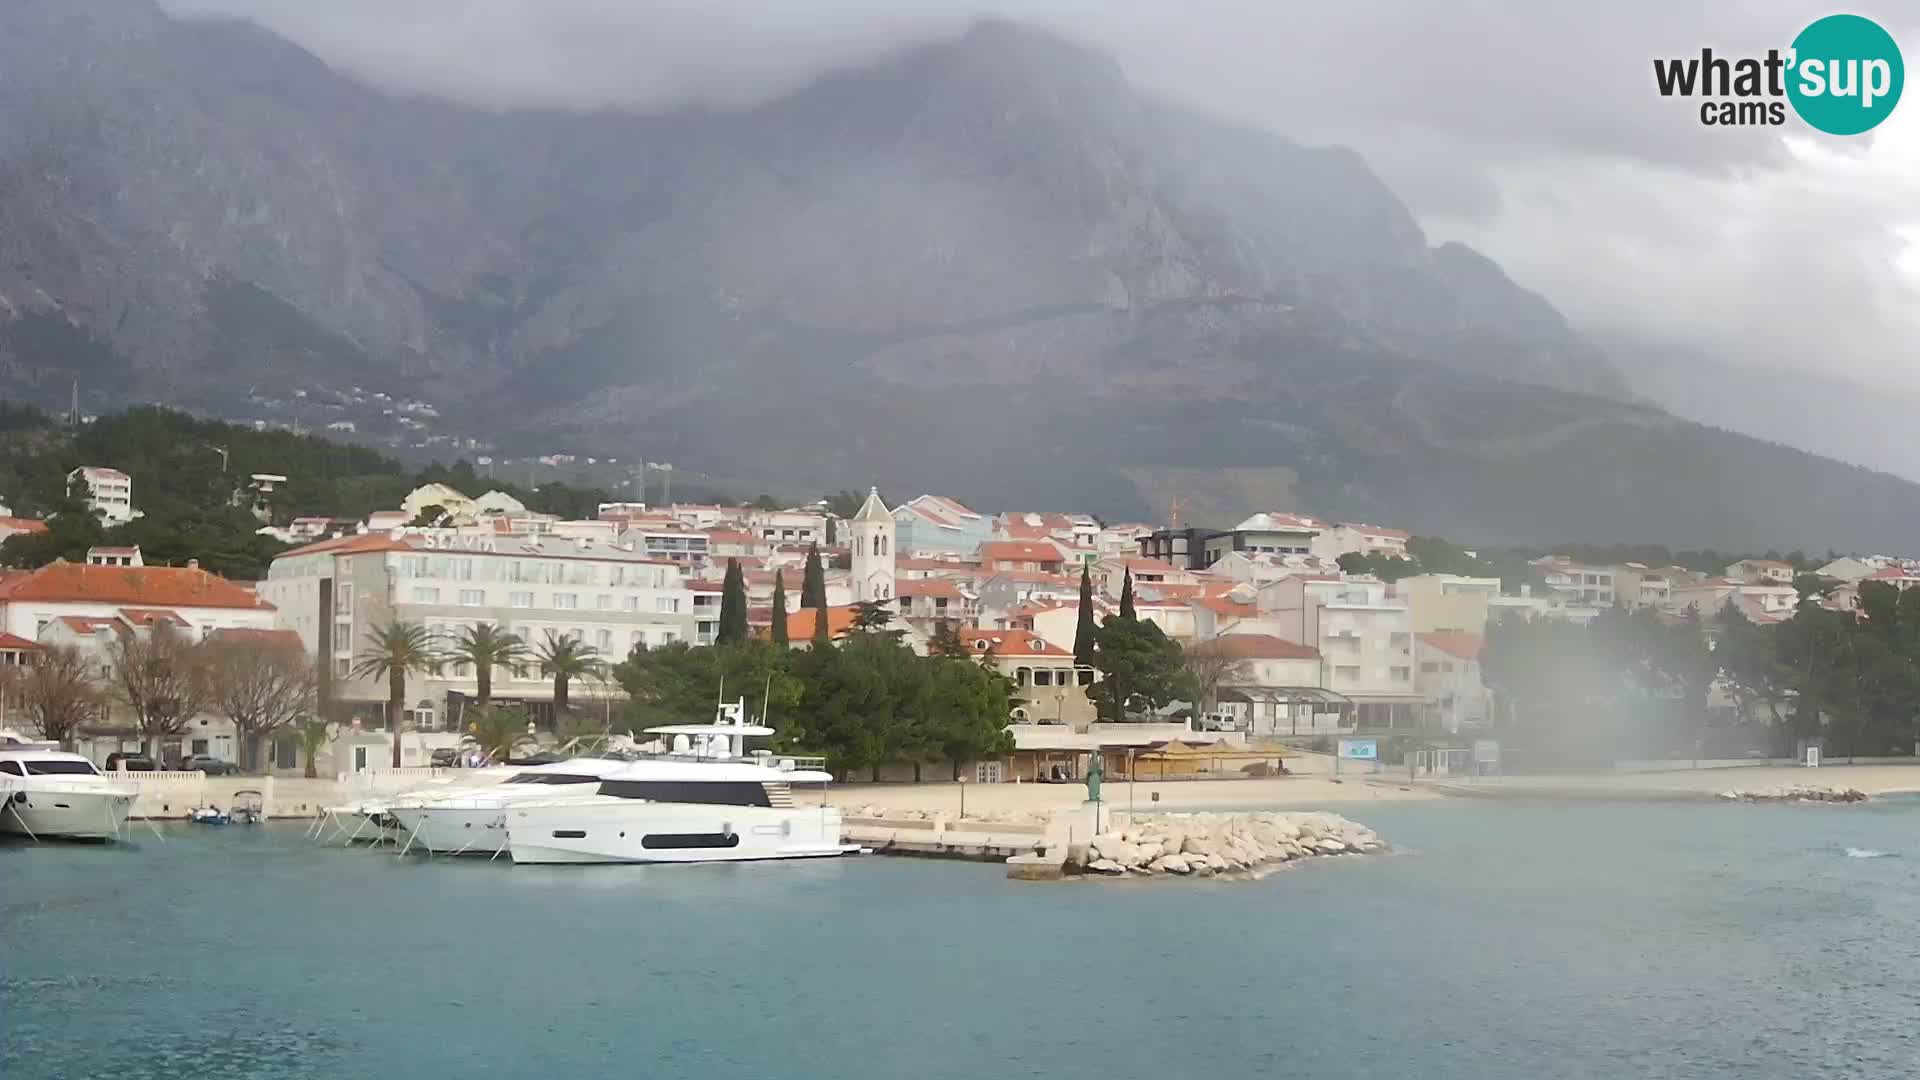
1281, 695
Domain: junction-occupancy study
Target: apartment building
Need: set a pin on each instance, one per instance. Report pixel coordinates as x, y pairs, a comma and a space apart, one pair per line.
613, 597
1453, 696
1449, 601
195, 600
1363, 630
109, 492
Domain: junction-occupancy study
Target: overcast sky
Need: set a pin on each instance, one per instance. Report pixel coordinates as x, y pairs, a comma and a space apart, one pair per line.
1531, 131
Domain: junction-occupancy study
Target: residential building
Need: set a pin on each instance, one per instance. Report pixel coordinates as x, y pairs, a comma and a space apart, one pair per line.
194, 599
1178, 547
1110, 575
1449, 601
1363, 631
1274, 686
1039, 556
928, 602
1577, 583
115, 556
1050, 687
1761, 602
612, 597
1359, 539
1900, 577
1123, 539
109, 492
1453, 697
788, 526
15, 526
1848, 569
932, 523
1639, 586
458, 508
1761, 571
1267, 533
682, 546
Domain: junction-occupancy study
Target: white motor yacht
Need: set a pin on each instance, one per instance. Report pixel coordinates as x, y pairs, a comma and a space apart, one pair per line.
51, 793
664, 810
704, 800
471, 819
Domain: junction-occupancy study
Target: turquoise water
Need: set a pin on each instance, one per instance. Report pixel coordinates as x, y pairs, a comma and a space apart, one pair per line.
1523, 941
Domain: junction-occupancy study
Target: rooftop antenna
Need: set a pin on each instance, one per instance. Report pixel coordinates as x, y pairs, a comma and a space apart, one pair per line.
73, 416
1174, 506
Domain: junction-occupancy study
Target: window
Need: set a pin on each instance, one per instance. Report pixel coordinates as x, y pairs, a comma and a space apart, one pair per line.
1401, 674
1399, 641
604, 641
1347, 671
343, 667
343, 598
472, 597
633, 603
426, 595
603, 602
521, 599
1084, 676
76, 768
703, 792
1428, 667
636, 639
670, 604
1042, 677
566, 601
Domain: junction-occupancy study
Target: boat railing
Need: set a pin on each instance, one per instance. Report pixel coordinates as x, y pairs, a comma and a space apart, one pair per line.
782, 762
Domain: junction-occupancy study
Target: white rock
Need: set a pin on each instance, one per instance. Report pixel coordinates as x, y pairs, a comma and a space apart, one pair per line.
1106, 866
1331, 846
1176, 864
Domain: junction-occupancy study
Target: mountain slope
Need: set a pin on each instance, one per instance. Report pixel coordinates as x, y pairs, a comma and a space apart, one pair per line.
988, 266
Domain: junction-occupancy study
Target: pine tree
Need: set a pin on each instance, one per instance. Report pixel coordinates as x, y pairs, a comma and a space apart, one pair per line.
733, 607
1083, 633
813, 584
1126, 596
779, 608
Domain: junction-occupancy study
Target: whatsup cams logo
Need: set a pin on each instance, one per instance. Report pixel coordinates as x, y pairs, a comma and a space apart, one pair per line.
1842, 75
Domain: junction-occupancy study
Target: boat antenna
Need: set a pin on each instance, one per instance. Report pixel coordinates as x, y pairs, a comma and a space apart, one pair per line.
766, 696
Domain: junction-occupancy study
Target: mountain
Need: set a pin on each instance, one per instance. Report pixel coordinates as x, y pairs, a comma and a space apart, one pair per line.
987, 267
1798, 408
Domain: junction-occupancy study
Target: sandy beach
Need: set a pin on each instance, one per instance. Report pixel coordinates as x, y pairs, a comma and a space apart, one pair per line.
1875, 779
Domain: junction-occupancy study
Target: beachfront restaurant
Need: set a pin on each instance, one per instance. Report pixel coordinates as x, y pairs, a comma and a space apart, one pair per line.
1047, 753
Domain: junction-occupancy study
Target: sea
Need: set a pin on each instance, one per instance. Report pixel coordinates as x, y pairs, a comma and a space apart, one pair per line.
1502, 939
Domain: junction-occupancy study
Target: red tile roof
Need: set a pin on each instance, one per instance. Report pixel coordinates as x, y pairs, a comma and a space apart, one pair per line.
1019, 551
928, 587
800, 623
952, 565
1011, 643
14, 642
348, 545
1224, 606
1455, 643
25, 525
150, 616
86, 624
733, 536
1260, 647
144, 586
286, 639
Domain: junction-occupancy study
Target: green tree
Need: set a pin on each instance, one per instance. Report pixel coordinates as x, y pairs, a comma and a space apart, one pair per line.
733, 607
946, 642
1085, 630
1126, 596
967, 710
1141, 669
486, 646
813, 582
779, 627
565, 658
313, 733
822, 628
872, 617
498, 732
261, 685
392, 652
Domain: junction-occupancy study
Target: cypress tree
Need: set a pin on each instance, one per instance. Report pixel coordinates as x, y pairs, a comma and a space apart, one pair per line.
1126, 596
821, 636
813, 583
733, 607
779, 608
1083, 633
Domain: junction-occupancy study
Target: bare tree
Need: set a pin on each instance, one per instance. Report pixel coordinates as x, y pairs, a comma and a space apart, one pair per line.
262, 684
1208, 664
162, 677
55, 691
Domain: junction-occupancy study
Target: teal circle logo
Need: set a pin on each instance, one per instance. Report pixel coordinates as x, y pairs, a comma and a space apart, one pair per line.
1846, 74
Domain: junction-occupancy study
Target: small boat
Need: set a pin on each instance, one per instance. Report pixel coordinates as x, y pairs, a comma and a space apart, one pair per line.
46, 792
249, 807
208, 815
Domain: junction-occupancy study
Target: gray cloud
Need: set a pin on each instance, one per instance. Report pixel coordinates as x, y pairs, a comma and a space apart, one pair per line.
1529, 130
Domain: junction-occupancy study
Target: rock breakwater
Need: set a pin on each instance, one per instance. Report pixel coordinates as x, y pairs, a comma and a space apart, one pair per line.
1209, 845
1797, 794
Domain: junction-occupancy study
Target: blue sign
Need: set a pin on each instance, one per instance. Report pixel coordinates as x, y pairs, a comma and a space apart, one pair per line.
1360, 749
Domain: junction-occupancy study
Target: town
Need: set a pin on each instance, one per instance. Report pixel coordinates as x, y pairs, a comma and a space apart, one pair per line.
462, 623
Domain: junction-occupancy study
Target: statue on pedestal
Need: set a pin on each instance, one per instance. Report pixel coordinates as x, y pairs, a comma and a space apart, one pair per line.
1095, 774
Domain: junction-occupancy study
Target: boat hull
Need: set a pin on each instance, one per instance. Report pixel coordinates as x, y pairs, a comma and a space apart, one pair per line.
73, 813
636, 831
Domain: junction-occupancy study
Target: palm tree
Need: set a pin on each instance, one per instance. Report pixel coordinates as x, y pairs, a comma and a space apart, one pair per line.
313, 734
486, 646
566, 659
393, 652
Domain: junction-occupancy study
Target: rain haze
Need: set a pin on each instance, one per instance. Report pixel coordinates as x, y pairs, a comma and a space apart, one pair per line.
1533, 133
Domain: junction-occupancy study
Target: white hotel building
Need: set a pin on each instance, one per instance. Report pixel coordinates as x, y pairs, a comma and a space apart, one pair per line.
613, 596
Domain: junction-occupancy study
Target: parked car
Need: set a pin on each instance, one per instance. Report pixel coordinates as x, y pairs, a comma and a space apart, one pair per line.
208, 764
447, 757
133, 760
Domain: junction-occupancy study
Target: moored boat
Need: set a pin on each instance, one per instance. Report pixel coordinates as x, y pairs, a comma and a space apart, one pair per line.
50, 793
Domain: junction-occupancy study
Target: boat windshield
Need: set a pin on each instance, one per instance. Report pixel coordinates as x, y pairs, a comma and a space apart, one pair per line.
551, 778
60, 768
